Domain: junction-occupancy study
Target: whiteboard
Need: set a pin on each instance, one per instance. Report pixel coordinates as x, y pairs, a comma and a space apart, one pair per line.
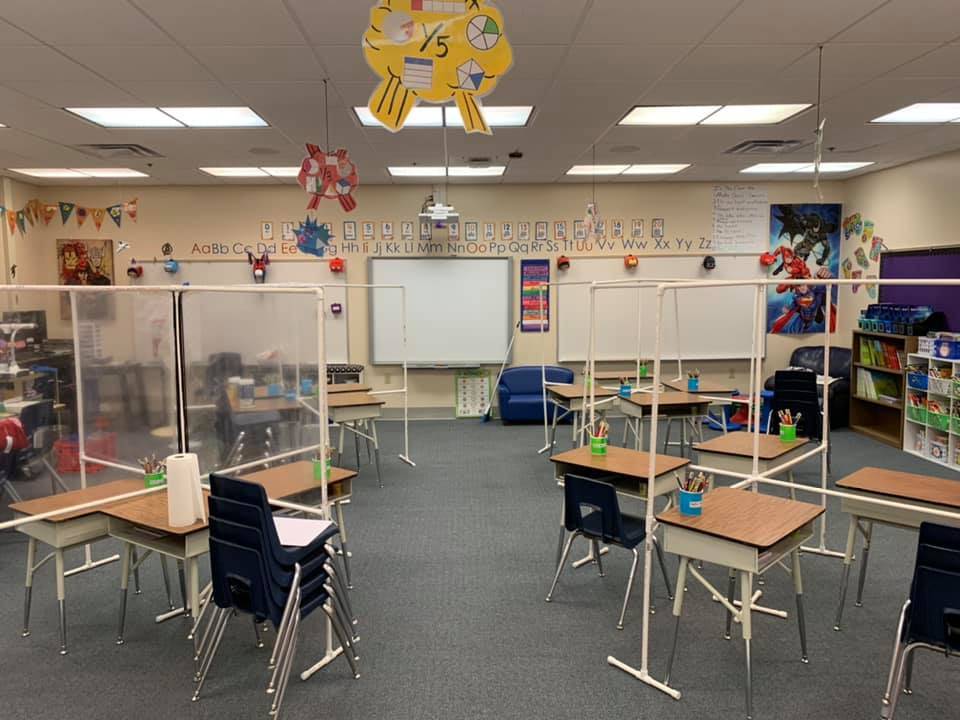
459, 311
228, 324
715, 323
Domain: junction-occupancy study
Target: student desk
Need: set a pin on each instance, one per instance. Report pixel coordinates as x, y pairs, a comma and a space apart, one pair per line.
921, 491
673, 405
572, 399
734, 452
707, 387
604, 375
749, 533
334, 388
277, 404
353, 410
62, 532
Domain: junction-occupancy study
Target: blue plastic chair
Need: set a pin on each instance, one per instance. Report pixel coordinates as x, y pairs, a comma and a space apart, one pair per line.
603, 523
930, 618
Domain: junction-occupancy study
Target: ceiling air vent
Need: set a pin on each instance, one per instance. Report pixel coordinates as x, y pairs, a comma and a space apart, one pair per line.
117, 151
765, 147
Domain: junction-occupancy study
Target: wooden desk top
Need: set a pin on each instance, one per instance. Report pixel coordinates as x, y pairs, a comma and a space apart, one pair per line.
617, 374
667, 399
150, 512
274, 404
906, 486
76, 497
706, 387
353, 399
746, 517
577, 392
286, 481
620, 461
336, 388
741, 445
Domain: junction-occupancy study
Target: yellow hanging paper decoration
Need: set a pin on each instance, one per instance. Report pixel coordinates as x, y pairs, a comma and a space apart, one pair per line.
435, 50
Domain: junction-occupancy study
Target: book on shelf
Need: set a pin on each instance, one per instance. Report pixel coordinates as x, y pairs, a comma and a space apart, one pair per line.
880, 354
877, 386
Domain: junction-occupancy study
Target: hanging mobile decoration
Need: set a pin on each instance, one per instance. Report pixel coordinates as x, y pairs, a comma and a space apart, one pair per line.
313, 238
591, 218
329, 175
432, 51
818, 145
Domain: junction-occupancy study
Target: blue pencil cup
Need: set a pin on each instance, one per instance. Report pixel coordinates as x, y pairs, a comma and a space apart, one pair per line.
626, 390
306, 387
693, 384
691, 503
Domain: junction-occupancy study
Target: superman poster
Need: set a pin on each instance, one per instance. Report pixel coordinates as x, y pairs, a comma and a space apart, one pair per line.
804, 244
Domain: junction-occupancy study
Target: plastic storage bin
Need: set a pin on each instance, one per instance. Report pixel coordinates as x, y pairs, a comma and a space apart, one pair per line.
937, 421
917, 414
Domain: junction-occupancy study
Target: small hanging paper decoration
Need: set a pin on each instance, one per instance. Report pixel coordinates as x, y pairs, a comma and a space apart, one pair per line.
12, 220
82, 213
433, 50
116, 213
329, 176
29, 211
66, 210
592, 221
130, 208
22, 221
48, 212
98, 215
313, 238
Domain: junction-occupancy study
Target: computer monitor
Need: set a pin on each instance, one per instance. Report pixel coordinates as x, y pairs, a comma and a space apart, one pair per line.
32, 336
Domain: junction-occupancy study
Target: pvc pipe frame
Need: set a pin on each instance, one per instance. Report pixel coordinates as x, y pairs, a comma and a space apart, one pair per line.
643, 672
176, 292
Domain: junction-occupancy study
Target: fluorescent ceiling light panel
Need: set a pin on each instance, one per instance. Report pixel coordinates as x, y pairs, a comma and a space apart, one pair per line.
111, 172
234, 172
216, 117
2, 125
127, 117
754, 114
49, 172
827, 167
597, 169
669, 114
919, 113
656, 169
471, 171
432, 117
417, 171
80, 173
282, 172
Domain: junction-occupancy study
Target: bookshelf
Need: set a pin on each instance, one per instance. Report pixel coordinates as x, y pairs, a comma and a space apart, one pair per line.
932, 421
877, 383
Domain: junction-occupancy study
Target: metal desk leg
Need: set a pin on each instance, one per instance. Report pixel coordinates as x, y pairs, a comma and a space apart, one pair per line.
576, 428
356, 443
845, 578
867, 537
166, 581
136, 574
28, 585
193, 585
183, 587
677, 611
340, 445
746, 626
125, 555
61, 599
343, 543
801, 620
376, 450
731, 590
553, 428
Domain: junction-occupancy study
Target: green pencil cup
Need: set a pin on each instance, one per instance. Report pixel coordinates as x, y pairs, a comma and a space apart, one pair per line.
318, 467
643, 371
598, 445
152, 480
788, 433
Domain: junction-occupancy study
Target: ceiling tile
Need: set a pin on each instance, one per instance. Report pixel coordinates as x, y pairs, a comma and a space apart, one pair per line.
908, 21
237, 22
943, 62
147, 63
259, 63
82, 23
93, 92
180, 94
629, 21
811, 21
635, 65
9, 35
745, 62
558, 25
858, 59
39, 64
345, 63
352, 19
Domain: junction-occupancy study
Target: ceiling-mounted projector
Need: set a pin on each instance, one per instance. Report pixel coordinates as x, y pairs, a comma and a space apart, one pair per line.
439, 212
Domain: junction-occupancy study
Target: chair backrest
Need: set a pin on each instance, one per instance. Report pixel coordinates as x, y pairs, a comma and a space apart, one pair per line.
221, 366
796, 391
811, 356
238, 578
528, 379
935, 592
36, 415
247, 504
580, 492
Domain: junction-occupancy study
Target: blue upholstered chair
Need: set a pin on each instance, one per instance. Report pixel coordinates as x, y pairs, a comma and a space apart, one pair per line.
930, 618
520, 392
591, 510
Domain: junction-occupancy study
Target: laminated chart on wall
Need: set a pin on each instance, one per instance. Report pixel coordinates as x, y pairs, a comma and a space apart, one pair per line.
435, 51
473, 393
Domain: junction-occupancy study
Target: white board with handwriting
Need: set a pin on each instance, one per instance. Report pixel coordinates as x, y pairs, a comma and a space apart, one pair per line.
741, 218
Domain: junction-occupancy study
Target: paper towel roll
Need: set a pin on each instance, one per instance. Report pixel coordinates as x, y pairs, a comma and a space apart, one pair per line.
184, 495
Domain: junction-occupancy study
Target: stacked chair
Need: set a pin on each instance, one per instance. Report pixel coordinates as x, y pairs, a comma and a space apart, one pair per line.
253, 574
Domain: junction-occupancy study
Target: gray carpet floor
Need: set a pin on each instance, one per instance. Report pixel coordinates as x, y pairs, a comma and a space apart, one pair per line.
452, 561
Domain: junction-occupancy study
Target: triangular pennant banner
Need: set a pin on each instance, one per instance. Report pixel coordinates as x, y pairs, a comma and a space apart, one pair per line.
98, 214
12, 220
28, 212
35, 207
81, 216
66, 210
116, 213
48, 212
130, 208
22, 221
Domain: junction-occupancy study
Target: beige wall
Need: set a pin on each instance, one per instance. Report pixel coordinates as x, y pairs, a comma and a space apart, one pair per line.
189, 216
